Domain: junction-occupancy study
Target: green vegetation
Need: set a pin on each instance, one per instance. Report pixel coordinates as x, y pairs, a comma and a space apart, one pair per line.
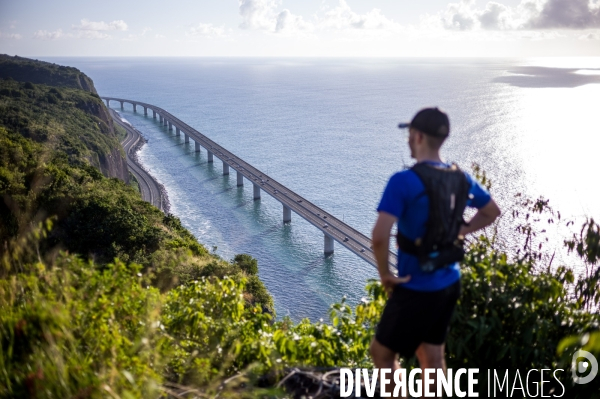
102, 295
133, 183
121, 132
39, 72
70, 123
77, 329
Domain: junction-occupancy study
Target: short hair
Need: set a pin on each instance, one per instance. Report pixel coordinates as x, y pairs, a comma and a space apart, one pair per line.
433, 142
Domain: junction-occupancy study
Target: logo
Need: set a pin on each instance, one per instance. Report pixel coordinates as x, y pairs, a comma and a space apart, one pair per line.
579, 368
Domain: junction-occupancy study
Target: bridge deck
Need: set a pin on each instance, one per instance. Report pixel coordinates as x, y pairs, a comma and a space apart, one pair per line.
347, 236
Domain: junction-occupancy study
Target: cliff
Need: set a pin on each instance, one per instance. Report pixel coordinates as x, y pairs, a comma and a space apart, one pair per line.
59, 106
40, 72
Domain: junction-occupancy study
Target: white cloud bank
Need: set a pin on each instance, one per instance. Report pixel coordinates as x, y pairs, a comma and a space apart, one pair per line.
590, 36
206, 30
101, 26
527, 15
48, 35
85, 30
263, 15
14, 36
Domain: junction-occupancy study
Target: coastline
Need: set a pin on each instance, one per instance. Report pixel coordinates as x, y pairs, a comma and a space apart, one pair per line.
150, 189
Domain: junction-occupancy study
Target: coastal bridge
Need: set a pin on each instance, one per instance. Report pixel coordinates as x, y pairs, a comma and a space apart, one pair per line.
332, 228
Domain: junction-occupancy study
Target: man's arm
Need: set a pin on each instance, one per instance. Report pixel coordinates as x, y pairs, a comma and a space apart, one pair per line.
381, 248
484, 217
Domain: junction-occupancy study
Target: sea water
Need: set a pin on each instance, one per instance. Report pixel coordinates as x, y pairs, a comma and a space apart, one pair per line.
327, 129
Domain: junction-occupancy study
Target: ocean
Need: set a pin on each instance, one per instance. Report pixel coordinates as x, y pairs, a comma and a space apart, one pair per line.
327, 129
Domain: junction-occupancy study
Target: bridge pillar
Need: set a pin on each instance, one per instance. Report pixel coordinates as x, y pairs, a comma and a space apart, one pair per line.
328, 244
256, 191
197, 147
121, 104
210, 156
187, 138
145, 111
165, 121
287, 214
177, 131
134, 107
240, 179
160, 119
225, 168
170, 126
154, 114
107, 103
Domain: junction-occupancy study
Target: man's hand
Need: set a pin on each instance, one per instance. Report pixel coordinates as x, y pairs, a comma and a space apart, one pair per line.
389, 282
381, 248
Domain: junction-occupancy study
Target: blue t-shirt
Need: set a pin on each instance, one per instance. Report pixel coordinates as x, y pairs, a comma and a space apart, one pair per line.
405, 198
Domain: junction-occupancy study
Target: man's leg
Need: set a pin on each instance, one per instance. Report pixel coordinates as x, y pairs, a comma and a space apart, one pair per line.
431, 356
384, 358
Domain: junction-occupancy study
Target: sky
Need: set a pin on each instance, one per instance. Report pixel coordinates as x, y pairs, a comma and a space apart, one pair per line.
306, 28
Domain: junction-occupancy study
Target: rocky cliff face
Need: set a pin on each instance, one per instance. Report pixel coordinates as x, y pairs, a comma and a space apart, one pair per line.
106, 153
114, 163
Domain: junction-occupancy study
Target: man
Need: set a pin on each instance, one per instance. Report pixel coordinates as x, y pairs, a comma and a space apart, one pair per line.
420, 305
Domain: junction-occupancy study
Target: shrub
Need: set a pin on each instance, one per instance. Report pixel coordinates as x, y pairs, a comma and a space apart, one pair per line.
71, 330
247, 263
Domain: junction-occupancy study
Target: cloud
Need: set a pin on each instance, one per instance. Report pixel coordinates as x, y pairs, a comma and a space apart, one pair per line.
590, 36
47, 35
527, 15
264, 15
258, 14
59, 34
288, 22
87, 25
496, 16
92, 34
207, 30
460, 16
342, 17
14, 36
159, 36
567, 14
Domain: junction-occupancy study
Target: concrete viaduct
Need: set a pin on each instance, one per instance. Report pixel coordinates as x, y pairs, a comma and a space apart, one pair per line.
333, 229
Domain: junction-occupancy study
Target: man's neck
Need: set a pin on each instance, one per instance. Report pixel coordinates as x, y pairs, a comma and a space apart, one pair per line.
433, 156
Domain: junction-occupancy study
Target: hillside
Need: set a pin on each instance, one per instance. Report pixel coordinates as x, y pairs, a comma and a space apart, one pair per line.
40, 72
59, 114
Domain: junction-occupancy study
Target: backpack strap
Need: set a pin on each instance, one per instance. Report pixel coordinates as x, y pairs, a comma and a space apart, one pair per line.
406, 245
447, 190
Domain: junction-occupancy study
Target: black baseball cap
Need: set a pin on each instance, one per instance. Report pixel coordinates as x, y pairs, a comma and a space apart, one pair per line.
430, 121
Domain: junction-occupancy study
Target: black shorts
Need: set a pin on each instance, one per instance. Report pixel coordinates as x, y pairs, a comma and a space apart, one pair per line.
412, 317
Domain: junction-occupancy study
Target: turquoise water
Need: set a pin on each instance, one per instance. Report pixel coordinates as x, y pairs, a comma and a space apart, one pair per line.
327, 130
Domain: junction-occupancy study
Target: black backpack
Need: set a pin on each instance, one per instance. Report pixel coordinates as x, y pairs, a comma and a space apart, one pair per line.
448, 192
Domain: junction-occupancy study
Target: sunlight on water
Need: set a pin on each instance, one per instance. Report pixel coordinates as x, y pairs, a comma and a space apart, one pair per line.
563, 62
588, 72
560, 144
